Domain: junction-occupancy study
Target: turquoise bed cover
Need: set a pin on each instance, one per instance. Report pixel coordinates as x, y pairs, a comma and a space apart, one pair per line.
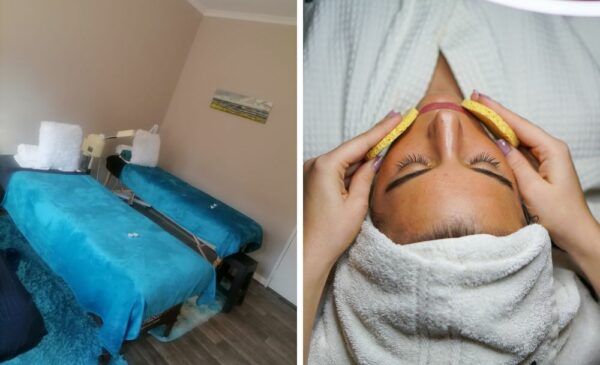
81, 230
208, 218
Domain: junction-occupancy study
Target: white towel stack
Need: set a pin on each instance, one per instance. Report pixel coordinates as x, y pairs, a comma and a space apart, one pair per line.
146, 147
28, 157
59, 148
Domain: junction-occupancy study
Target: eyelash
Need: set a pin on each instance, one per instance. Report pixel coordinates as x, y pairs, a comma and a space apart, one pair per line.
484, 157
420, 159
413, 158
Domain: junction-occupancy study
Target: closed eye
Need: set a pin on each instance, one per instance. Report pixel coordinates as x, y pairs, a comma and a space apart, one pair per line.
417, 158
422, 160
413, 159
484, 157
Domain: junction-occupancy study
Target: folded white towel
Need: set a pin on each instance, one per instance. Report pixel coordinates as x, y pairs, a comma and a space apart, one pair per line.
28, 157
477, 299
146, 147
28, 152
60, 145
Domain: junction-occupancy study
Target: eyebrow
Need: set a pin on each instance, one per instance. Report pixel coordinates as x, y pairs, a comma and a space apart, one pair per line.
401, 180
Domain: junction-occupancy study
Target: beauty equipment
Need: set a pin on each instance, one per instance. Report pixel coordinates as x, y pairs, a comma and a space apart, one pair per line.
93, 144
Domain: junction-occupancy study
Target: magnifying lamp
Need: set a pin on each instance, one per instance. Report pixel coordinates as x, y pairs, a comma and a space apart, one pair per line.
93, 144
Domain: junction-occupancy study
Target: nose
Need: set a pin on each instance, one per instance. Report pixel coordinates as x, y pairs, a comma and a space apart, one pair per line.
446, 133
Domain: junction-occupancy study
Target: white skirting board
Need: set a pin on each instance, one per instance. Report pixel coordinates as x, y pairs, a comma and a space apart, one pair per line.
261, 279
283, 278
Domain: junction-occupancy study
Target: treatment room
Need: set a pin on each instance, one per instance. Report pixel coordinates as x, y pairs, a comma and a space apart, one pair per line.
451, 182
148, 182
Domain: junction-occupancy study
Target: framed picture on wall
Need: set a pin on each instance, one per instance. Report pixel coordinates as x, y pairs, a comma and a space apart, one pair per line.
241, 105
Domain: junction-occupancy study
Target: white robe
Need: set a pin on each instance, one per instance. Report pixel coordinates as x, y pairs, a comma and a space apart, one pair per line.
364, 58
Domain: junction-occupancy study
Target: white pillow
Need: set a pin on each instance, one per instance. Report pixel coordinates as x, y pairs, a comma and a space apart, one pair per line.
146, 147
60, 145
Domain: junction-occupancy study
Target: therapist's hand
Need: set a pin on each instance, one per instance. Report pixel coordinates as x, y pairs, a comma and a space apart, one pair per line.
336, 194
336, 201
552, 192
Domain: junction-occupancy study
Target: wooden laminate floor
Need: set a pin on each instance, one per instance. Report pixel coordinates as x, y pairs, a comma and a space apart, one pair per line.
260, 331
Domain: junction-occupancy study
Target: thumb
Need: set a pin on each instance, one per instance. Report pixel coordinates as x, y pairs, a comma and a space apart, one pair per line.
527, 177
360, 185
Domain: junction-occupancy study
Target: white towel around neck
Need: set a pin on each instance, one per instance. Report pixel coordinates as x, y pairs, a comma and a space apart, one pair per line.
477, 299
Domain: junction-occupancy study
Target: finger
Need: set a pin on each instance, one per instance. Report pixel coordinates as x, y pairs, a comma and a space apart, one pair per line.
528, 133
351, 169
308, 165
526, 152
355, 149
525, 174
350, 173
347, 182
360, 185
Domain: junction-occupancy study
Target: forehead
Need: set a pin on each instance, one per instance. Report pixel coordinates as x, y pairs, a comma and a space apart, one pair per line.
442, 206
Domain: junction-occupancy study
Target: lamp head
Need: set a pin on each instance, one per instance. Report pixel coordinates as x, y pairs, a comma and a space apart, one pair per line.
93, 145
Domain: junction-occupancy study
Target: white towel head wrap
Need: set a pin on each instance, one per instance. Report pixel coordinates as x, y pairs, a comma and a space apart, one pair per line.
470, 300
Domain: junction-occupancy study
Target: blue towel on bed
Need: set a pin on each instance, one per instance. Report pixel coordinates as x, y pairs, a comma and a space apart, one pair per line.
208, 218
82, 231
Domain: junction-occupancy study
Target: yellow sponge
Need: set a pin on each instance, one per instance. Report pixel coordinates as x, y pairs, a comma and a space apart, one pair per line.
492, 120
406, 121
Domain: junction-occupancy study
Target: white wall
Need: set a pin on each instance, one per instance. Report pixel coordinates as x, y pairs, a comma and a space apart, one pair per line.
106, 65
248, 165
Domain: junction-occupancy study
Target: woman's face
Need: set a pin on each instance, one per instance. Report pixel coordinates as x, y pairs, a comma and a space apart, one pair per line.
445, 177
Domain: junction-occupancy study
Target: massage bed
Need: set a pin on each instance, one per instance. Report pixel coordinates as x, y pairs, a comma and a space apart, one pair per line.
225, 230
121, 266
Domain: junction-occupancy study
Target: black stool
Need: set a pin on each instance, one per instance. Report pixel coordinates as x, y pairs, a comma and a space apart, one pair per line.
237, 269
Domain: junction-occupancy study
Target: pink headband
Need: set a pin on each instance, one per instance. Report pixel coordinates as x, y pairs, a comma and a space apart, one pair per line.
443, 105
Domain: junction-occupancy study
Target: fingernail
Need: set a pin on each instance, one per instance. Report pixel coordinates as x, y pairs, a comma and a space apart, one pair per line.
392, 113
377, 163
475, 95
504, 146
